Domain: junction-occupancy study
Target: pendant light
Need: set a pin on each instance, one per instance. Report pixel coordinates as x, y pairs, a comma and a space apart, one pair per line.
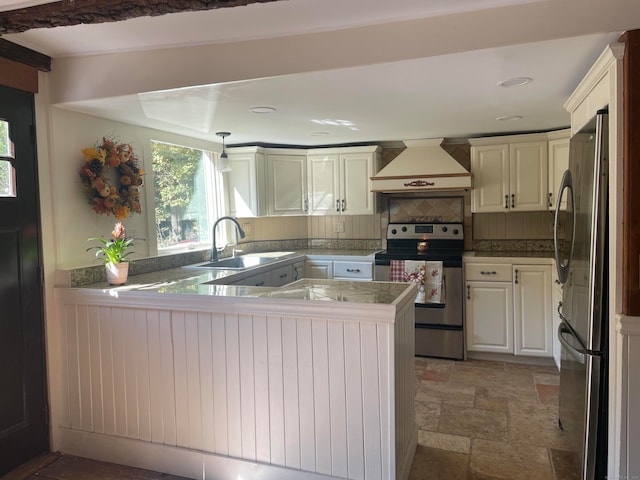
223, 164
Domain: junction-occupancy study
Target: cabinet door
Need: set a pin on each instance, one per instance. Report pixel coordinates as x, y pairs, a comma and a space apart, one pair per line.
490, 168
489, 317
356, 172
247, 169
287, 179
533, 323
528, 176
558, 163
281, 276
318, 269
324, 184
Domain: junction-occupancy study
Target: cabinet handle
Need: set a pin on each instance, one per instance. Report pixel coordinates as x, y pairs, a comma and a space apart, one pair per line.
506, 201
482, 272
353, 270
513, 200
284, 275
468, 292
516, 275
551, 199
306, 205
338, 206
259, 284
344, 206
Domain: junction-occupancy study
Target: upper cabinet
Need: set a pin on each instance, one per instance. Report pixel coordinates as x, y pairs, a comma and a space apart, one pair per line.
558, 163
510, 173
245, 196
339, 180
286, 183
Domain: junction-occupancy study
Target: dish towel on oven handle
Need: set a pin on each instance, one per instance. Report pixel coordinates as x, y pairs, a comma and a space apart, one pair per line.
434, 290
409, 271
429, 275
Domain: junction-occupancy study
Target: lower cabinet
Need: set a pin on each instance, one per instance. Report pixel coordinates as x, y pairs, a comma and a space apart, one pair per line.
509, 309
318, 269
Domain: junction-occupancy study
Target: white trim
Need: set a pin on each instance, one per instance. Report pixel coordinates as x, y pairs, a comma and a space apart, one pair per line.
628, 326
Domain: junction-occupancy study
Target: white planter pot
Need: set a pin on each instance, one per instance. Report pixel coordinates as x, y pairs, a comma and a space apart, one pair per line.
117, 273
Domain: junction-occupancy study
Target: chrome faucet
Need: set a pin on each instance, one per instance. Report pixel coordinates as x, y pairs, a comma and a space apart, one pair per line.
214, 250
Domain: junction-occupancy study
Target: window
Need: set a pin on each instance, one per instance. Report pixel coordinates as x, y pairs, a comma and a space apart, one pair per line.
187, 197
7, 172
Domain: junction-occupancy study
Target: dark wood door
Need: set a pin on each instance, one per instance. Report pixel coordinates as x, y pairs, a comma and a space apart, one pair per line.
23, 418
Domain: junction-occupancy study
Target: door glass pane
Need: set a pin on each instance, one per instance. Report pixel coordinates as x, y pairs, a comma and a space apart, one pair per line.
7, 179
6, 147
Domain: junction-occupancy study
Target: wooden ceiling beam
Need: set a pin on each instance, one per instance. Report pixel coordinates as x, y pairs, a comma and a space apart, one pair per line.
26, 56
75, 12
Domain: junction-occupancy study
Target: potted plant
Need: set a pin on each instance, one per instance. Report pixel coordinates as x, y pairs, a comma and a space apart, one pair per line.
114, 255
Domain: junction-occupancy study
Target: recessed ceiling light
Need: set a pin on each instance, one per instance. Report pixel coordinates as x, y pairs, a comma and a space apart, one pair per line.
262, 109
509, 118
319, 134
515, 82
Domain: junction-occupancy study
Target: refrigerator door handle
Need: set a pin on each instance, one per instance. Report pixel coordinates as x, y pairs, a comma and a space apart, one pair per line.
565, 328
566, 187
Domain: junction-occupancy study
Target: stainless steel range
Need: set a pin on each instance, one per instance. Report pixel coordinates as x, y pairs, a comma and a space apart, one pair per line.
439, 325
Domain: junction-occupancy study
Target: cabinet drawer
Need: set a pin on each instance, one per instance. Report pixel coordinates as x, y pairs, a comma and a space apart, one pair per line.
488, 272
355, 270
282, 276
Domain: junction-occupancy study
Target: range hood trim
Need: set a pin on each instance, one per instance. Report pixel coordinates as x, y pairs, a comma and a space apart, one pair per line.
420, 155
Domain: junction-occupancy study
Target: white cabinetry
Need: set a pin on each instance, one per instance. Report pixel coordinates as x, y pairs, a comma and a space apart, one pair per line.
558, 163
339, 181
510, 173
509, 308
489, 308
532, 318
318, 269
286, 181
246, 193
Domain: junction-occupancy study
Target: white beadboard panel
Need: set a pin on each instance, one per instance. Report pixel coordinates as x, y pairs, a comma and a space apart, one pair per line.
219, 353
337, 398
353, 387
261, 389
142, 375
234, 411
247, 387
193, 381
321, 395
371, 405
206, 376
305, 395
291, 401
155, 377
106, 364
167, 375
97, 408
178, 332
308, 393
276, 391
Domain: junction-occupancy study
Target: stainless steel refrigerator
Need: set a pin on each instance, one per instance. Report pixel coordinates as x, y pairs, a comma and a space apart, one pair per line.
581, 246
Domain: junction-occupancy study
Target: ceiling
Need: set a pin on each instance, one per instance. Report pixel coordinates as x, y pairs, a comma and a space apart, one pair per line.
453, 95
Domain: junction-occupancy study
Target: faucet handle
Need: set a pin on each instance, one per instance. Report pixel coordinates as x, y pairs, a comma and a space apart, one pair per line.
235, 250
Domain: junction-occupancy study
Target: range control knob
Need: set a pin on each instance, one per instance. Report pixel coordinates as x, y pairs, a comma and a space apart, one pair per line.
444, 229
455, 231
404, 229
394, 231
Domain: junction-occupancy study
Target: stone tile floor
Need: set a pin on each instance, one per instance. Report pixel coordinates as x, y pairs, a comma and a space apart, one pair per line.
481, 420
477, 420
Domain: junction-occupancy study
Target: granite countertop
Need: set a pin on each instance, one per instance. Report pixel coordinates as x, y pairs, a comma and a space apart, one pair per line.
206, 281
508, 253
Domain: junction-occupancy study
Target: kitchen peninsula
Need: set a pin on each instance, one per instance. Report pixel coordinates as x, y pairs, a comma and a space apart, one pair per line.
311, 380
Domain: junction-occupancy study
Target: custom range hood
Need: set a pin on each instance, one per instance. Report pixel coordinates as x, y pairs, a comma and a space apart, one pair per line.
422, 166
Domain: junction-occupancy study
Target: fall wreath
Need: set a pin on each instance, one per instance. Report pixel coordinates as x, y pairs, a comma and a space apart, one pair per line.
112, 178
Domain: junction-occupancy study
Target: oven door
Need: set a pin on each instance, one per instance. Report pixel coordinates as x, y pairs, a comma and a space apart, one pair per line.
444, 314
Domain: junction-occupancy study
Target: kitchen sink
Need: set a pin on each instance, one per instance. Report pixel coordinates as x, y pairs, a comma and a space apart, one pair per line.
237, 263
244, 261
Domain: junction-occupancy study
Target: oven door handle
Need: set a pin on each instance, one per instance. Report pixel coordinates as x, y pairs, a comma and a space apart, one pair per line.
440, 306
